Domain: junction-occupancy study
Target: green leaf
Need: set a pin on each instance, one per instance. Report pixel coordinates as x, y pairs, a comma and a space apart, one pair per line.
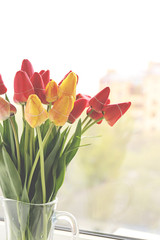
60, 174
8, 139
1, 132
73, 145
25, 197
12, 173
1, 129
5, 181
64, 136
44, 128
22, 143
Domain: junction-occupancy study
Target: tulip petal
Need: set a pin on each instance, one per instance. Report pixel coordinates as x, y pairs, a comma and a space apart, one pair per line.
79, 106
115, 111
35, 113
3, 88
27, 67
22, 87
68, 86
41, 72
38, 85
87, 97
64, 78
61, 109
51, 91
98, 101
46, 77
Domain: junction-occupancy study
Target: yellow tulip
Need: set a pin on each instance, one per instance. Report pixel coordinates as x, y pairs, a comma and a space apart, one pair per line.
68, 86
51, 91
35, 113
61, 109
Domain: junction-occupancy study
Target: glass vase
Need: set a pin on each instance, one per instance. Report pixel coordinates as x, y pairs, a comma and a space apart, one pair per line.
26, 221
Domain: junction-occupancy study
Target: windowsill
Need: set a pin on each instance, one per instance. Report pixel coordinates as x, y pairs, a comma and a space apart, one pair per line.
61, 234
58, 235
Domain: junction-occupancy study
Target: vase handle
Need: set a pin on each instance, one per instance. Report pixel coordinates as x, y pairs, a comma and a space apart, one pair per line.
61, 215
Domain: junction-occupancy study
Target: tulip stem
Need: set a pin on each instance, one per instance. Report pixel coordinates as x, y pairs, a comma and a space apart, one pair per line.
42, 164
87, 117
90, 125
31, 145
17, 146
23, 115
26, 145
37, 156
49, 107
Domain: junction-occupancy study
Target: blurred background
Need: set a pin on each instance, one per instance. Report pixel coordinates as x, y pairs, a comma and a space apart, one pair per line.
112, 186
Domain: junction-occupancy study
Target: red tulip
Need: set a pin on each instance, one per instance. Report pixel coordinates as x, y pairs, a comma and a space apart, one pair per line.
98, 101
87, 97
38, 85
115, 111
79, 106
94, 115
22, 87
46, 77
27, 67
3, 88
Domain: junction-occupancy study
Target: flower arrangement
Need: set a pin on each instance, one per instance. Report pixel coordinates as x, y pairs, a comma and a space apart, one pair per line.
33, 162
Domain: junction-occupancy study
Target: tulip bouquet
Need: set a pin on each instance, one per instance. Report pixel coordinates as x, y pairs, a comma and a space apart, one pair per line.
33, 162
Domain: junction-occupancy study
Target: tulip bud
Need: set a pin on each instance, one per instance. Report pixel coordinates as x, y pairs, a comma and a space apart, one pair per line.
115, 111
6, 109
22, 87
38, 85
35, 113
27, 67
68, 86
94, 115
51, 91
3, 88
79, 106
61, 109
98, 101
